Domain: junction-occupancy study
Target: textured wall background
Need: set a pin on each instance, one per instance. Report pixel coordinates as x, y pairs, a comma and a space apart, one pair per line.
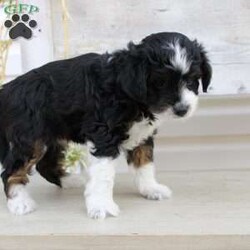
223, 26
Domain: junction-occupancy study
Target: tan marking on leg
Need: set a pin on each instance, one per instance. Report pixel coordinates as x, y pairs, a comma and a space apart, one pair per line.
39, 152
20, 176
141, 155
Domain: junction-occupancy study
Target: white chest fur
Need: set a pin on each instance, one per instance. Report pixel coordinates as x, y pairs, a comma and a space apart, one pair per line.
140, 131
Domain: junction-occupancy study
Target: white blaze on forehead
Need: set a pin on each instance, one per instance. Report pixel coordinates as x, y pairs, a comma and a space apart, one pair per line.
179, 60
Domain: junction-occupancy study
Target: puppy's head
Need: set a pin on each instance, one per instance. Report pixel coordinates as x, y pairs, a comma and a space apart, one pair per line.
179, 67
165, 71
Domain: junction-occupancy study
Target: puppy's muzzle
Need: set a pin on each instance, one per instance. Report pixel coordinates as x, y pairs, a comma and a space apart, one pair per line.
180, 109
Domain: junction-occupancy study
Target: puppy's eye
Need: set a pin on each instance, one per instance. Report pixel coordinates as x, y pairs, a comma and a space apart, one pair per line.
193, 85
196, 76
189, 83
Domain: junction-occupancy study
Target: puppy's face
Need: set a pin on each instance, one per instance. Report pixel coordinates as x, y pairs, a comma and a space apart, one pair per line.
173, 84
164, 72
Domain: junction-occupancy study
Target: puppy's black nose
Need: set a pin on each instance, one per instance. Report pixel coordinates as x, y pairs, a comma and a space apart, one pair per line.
180, 109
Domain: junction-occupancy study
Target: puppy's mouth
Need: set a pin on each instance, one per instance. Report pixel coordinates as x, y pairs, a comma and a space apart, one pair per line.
159, 109
180, 110
177, 111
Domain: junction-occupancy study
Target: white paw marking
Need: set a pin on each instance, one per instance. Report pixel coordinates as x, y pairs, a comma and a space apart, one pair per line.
156, 192
147, 184
101, 208
99, 189
20, 202
72, 181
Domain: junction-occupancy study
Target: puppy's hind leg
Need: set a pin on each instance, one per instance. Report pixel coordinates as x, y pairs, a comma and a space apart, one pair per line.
16, 166
141, 159
51, 165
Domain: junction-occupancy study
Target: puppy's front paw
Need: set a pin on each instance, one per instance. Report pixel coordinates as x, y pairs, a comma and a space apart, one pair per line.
100, 208
155, 191
21, 205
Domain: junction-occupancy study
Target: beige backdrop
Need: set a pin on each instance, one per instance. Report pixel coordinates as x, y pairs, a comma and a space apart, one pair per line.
222, 25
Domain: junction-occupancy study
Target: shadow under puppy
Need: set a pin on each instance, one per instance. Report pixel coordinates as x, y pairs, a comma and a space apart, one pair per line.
111, 102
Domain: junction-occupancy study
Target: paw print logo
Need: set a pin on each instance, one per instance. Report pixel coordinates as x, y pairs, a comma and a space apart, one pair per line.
20, 26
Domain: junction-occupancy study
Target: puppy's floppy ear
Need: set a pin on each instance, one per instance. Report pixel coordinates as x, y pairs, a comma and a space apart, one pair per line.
132, 75
206, 69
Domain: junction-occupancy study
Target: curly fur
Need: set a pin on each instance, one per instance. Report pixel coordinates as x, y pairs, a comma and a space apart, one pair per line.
94, 97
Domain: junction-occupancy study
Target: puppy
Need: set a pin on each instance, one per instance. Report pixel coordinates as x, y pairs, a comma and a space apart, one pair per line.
112, 102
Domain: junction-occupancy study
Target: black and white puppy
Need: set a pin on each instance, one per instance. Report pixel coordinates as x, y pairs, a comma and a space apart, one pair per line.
112, 102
